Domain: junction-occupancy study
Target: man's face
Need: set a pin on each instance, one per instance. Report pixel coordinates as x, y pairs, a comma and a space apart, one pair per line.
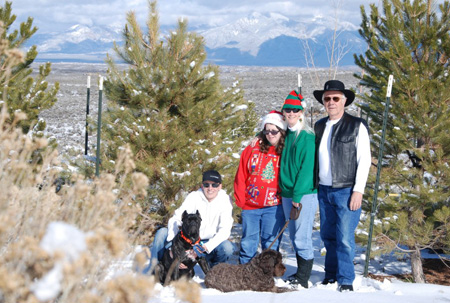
334, 102
210, 191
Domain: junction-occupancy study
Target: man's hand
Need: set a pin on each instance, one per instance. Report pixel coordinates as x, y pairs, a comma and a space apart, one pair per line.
182, 266
254, 141
356, 200
199, 250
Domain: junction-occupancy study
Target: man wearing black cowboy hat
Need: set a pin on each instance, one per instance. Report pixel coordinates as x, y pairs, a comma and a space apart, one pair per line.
342, 165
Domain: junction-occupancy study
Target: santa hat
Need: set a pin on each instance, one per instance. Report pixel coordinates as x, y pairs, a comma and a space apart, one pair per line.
275, 118
293, 100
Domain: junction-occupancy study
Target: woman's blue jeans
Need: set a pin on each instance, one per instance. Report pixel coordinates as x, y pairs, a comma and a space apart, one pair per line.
337, 230
263, 223
300, 230
219, 255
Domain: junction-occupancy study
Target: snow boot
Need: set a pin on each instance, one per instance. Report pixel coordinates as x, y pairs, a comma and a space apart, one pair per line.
344, 288
304, 268
327, 281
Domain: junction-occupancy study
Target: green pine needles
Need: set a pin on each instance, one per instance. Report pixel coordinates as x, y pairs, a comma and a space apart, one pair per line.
22, 92
410, 41
172, 110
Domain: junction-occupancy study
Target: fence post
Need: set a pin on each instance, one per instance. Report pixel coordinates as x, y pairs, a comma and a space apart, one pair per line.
377, 180
99, 126
87, 115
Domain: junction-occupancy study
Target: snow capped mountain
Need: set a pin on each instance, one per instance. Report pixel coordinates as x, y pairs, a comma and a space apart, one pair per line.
250, 32
258, 39
276, 40
79, 34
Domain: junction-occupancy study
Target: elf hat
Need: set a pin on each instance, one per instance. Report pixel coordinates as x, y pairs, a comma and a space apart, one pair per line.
275, 118
293, 100
335, 85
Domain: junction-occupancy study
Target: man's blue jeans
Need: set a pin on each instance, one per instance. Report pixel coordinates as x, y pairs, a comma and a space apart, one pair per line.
337, 230
264, 223
300, 230
219, 255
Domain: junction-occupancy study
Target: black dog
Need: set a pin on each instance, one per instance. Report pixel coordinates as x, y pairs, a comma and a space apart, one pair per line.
182, 251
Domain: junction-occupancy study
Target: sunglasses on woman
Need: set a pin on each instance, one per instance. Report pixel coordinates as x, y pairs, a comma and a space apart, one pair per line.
294, 110
272, 132
214, 185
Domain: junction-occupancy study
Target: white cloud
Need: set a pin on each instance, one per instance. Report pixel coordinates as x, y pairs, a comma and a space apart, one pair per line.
59, 15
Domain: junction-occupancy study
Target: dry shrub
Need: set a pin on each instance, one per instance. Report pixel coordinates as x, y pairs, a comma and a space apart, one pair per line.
130, 289
60, 247
104, 211
187, 290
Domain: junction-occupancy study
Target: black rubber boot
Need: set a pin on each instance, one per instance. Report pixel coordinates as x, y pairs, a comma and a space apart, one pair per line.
344, 288
304, 268
327, 281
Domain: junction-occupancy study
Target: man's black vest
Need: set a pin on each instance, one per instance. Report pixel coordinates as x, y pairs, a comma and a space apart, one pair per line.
342, 150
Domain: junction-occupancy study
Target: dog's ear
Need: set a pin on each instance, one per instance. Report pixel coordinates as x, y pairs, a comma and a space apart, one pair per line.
267, 262
184, 215
198, 214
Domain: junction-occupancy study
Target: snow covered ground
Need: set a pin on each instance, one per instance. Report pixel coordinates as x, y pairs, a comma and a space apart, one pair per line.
366, 290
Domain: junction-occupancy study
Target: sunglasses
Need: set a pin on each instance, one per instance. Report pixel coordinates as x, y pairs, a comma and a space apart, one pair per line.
214, 185
335, 99
272, 132
294, 110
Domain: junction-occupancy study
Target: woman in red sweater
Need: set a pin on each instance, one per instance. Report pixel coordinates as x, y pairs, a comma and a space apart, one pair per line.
256, 189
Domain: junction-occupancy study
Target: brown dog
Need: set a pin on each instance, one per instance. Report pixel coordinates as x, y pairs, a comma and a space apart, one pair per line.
257, 275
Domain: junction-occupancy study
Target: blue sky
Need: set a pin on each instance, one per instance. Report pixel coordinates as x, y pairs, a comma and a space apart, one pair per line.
59, 15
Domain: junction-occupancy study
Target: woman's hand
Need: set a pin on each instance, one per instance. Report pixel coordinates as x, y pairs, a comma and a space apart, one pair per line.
295, 211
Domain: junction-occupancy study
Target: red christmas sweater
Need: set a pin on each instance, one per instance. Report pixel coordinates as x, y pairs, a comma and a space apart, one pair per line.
256, 180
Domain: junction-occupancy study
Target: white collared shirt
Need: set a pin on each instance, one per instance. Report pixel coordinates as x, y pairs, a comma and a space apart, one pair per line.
363, 157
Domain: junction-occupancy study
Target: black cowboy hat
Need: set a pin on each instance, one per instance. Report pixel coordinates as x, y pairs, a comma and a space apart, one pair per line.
335, 85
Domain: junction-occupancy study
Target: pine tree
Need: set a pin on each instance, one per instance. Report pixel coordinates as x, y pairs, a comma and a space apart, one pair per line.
410, 41
173, 111
20, 90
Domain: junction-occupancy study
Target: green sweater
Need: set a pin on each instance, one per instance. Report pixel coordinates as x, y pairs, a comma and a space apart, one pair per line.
297, 166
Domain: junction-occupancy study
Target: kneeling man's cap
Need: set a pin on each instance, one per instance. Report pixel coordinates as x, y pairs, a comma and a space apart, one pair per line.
212, 175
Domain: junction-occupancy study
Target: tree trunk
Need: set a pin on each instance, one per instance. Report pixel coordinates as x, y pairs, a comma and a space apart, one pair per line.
416, 267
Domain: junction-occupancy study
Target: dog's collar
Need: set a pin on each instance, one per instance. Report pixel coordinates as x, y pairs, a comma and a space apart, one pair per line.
189, 240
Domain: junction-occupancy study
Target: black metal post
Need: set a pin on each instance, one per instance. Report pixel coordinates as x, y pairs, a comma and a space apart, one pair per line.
377, 180
87, 115
99, 127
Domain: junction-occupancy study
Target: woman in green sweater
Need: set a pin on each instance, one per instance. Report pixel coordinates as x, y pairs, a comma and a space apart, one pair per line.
297, 185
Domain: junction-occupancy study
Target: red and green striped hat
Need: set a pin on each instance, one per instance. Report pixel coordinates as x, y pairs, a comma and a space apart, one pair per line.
293, 100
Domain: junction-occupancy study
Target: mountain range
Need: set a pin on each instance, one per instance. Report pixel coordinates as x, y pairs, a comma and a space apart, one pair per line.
258, 39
